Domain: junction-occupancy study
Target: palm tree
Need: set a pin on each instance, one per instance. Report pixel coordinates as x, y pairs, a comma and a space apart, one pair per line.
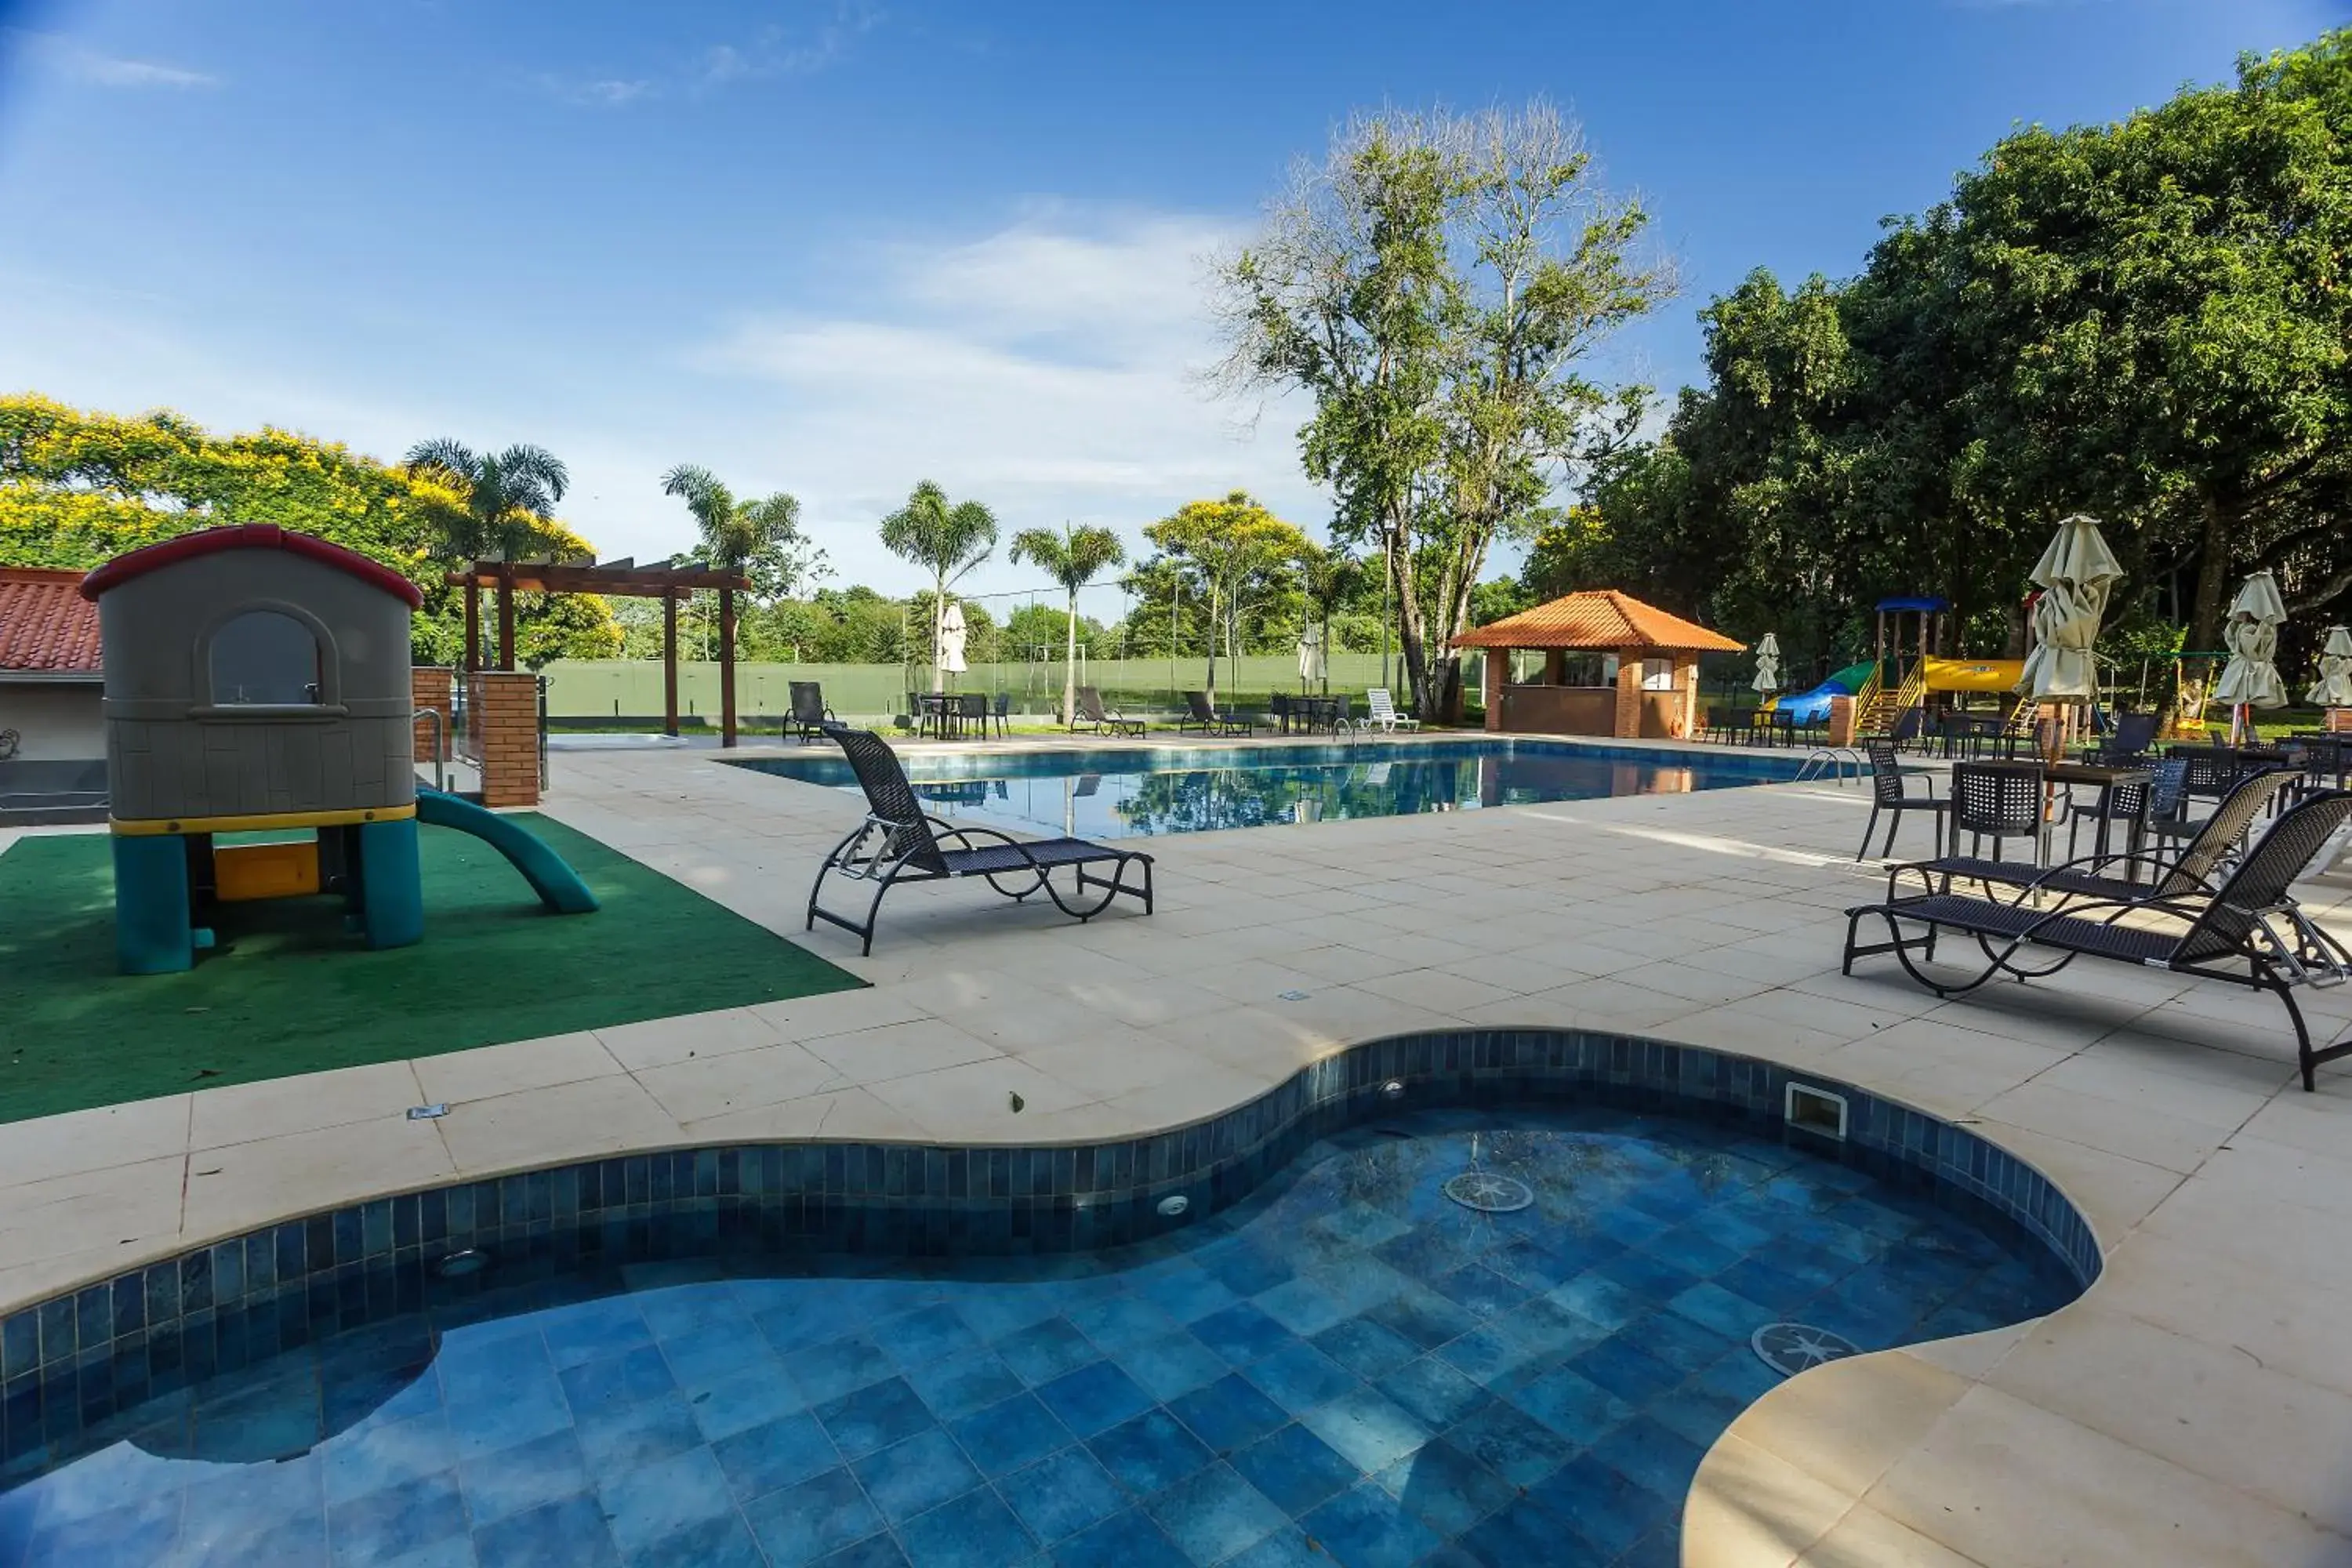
945, 540
754, 537
508, 496
1073, 558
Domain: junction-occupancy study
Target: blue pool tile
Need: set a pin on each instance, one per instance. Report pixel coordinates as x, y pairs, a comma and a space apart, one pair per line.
644, 1506
1601, 1505
761, 1393
1445, 1489
378, 1454
719, 1351
994, 1311
1129, 1540
1093, 1399
623, 1379
1521, 1531
1728, 1313
593, 1331
1597, 1299
722, 1542
1301, 1306
1423, 1316
1296, 1470
838, 1367
527, 1476
1643, 1451
913, 1477
625, 1437
1009, 1434
135, 1535
1511, 1443
1366, 1428
804, 1522
1244, 1267
1625, 1370
1480, 1290
1434, 1391
1043, 1352
1487, 1354
778, 1454
975, 1531
1681, 1344
874, 1552
1150, 1453
961, 1385
1531, 1265
1177, 1363
1572, 1404
1365, 1348
1364, 1527
1286, 1548
1241, 1333
570, 1531
873, 1417
1062, 1494
382, 1525
1299, 1378
1214, 1514
1123, 1322
1186, 1293
1229, 1414
1651, 1278
926, 1334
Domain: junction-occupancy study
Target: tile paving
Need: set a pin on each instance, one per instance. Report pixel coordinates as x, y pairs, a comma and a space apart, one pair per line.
2165, 1109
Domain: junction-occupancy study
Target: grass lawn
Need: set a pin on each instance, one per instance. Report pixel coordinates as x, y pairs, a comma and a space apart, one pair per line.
289, 992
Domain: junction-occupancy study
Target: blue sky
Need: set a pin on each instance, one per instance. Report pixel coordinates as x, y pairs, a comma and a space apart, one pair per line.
833, 247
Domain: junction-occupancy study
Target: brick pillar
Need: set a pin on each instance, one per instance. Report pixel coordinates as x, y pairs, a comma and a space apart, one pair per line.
2339, 720
1841, 721
1498, 665
502, 708
434, 687
1629, 695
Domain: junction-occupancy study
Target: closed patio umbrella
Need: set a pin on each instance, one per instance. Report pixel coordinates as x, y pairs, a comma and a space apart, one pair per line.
2251, 679
2075, 574
1311, 663
2334, 688
950, 650
1768, 665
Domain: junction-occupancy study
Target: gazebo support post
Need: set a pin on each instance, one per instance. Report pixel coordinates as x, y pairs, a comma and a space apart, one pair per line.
726, 666
1628, 726
473, 625
506, 619
1497, 667
670, 664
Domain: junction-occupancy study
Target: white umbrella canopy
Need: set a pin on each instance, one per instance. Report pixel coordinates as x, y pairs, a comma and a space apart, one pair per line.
952, 633
2334, 688
1311, 663
2075, 574
2252, 677
1768, 664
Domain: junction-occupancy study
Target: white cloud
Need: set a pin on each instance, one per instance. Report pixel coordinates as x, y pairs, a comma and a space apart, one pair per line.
610, 93
77, 63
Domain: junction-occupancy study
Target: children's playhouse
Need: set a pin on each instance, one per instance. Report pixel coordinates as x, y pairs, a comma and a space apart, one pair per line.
258, 681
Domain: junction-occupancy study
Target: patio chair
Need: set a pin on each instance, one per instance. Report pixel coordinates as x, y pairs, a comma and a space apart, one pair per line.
971, 714
1999, 801
809, 715
1381, 710
1094, 718
1889, 793
2234, 937
2193, 874
2134, 737
1199, 715
898, 843
1000, 710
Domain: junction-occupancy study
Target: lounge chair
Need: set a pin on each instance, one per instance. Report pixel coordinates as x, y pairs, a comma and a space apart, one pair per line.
1200, 716
2133, 738
1889, 793
1381, 710
2233, 936
1093, 717
898, 843
809, 715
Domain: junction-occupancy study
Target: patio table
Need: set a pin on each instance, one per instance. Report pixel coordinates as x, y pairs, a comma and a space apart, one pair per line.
2107, 779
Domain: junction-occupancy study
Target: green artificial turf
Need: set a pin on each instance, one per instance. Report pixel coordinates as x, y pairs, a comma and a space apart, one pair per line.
289, 992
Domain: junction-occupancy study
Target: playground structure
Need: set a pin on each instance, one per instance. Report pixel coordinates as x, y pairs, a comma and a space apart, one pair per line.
1907, 676
258, 681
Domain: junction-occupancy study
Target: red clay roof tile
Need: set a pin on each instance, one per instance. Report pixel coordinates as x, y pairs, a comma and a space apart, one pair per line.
1598, 618
45, 626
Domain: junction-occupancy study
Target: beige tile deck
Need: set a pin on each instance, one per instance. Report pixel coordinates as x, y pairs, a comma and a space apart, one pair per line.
2194, 1408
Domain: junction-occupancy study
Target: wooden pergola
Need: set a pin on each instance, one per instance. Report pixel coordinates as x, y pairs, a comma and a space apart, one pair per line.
621, 579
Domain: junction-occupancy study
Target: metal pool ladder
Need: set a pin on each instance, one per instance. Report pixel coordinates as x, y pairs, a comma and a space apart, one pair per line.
1832, 763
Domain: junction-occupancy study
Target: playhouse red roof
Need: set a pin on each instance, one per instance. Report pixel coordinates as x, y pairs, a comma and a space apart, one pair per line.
248, 536
45, 626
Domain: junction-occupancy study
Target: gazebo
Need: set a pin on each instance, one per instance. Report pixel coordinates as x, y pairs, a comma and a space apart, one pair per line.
1612, 665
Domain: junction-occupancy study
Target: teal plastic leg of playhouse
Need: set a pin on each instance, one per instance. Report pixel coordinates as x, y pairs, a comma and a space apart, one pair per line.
392, 886
151, 935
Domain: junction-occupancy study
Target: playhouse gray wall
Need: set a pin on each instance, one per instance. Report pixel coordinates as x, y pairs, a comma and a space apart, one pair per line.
172, 752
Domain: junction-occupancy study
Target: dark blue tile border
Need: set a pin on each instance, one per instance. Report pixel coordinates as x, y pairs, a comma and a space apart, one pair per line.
71, 1362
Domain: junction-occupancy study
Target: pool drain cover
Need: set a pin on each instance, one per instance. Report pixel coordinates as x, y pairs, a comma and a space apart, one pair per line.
1789, 1347
1488, 1192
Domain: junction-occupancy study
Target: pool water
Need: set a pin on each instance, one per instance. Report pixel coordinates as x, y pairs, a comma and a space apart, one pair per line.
1347, 1368
1137, 792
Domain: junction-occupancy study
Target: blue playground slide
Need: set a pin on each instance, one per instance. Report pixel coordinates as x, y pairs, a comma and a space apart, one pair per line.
559, 887
1813, 707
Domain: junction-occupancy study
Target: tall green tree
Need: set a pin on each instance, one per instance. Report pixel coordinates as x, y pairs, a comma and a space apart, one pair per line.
504, 498
1438, 286
1074, 558
761, 538
945, 539
1235, 547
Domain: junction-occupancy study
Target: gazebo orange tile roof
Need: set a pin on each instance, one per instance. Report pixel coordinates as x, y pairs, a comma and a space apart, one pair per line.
1601, 620
46, 628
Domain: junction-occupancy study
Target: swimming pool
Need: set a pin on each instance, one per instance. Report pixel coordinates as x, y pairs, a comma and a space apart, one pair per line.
1350, 1356
1133, 792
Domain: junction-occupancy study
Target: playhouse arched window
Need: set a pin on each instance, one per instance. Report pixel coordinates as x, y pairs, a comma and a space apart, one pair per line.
267, 659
